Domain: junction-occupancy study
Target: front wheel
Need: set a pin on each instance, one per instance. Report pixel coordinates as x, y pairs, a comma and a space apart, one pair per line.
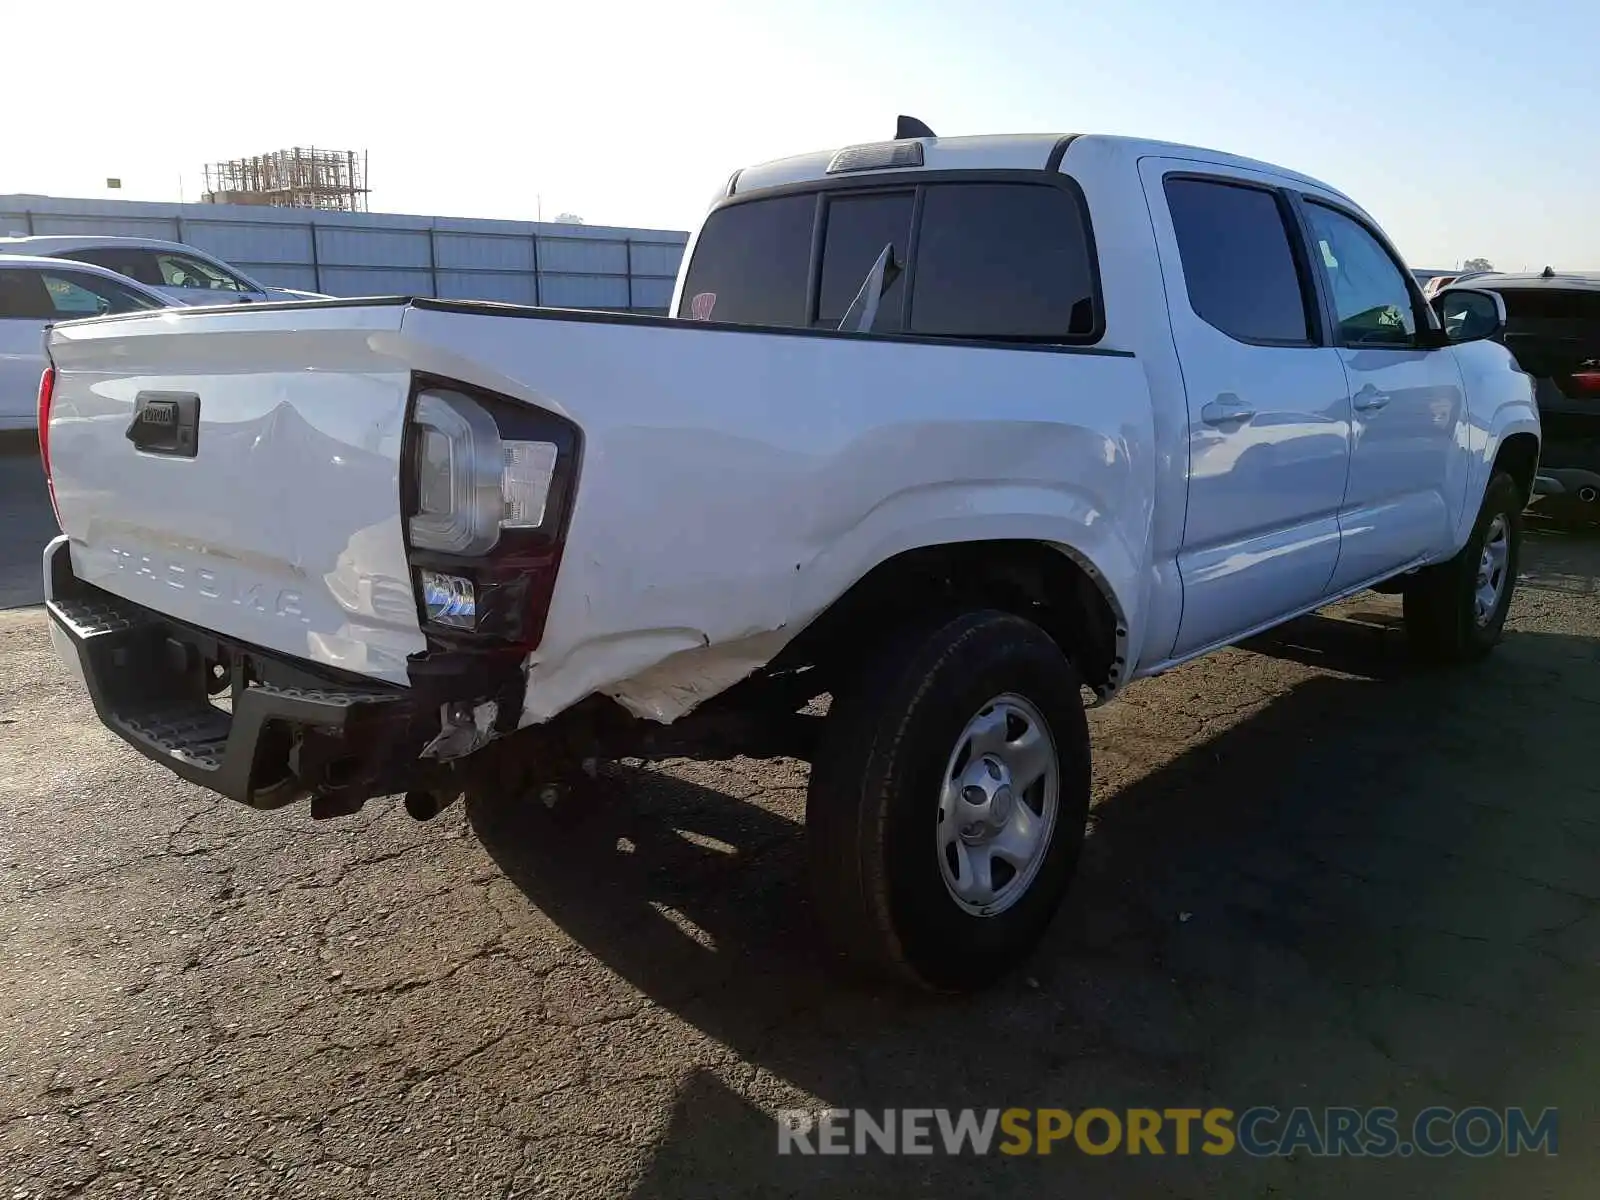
1455, 611
948, 802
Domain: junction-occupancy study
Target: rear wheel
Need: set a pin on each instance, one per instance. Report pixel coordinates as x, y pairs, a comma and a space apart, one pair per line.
1456, 611
948, 802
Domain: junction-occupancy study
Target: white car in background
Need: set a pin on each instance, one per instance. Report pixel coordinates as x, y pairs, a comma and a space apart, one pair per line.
36, 292
180, 272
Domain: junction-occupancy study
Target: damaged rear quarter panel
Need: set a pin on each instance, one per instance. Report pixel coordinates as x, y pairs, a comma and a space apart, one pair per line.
735, 483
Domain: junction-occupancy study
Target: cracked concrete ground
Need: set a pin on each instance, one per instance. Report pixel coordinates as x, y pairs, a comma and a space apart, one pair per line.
1317, 875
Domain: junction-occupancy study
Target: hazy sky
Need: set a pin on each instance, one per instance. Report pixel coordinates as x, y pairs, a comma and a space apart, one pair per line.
1468, 128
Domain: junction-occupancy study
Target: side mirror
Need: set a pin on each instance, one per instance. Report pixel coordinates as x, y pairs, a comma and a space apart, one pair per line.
1470, 315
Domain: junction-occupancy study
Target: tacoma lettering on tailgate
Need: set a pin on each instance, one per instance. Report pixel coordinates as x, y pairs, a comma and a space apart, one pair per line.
206, 582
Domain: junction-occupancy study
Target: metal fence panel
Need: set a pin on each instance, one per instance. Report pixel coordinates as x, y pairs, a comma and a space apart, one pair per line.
483, 252
343, 246
375, 281
71, 223
582, 257
652, 293
279, 275
584, 291
245, 244
365, 254
657, 258
480, 285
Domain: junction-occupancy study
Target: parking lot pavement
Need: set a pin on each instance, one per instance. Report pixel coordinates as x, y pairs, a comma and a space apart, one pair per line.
1317, 875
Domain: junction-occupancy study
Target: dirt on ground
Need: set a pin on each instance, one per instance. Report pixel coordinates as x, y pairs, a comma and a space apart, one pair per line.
1317, 875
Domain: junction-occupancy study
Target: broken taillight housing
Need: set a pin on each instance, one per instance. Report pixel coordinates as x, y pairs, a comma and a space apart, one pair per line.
449, 599
487, 490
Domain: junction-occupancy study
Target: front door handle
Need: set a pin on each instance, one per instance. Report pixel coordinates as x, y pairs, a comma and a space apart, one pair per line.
1226, 409
1370, 399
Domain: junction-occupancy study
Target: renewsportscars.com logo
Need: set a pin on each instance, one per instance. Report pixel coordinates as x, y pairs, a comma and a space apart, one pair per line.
1260, 1132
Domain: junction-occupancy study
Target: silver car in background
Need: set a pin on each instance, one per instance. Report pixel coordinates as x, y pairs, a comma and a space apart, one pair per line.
37, 292
178, 271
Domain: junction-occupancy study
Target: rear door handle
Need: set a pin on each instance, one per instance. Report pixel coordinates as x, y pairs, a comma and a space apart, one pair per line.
1226, 409
1370, 399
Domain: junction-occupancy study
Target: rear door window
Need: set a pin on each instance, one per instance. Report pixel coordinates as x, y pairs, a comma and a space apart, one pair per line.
1238, 264
23, 296
78, 294
136, 264
752, 263
1002, 260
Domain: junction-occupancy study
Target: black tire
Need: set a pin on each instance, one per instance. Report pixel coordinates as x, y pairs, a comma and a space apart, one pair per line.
1440, 610
872, 812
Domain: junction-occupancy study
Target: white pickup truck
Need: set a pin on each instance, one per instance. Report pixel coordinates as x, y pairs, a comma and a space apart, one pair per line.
946, 429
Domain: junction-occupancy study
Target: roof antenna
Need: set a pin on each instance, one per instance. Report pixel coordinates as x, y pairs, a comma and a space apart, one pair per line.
1547, 273
910, 127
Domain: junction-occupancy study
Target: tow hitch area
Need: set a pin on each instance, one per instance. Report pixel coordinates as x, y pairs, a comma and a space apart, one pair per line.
244, 723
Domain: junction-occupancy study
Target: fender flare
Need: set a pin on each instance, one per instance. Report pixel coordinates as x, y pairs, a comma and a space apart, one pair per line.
1507, 421
1060, 517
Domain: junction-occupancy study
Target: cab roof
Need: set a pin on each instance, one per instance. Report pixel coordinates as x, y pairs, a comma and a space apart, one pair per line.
998, 152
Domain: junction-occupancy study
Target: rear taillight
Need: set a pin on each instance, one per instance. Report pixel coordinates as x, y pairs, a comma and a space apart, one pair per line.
47, 395
487, 489
1587, 381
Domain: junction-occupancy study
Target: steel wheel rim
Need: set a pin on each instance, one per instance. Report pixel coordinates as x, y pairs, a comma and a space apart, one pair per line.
998, 802
1493, 564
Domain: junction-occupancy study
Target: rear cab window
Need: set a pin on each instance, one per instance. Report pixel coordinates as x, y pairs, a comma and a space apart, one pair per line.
752, 263
977, 258
856, 228
1003, 260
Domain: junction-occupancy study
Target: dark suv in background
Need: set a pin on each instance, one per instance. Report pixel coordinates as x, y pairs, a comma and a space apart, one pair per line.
1553, 328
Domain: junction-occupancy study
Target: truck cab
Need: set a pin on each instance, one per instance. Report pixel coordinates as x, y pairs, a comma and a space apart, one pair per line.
1312, 427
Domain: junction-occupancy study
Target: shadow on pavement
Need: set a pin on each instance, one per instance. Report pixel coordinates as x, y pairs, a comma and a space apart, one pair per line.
1379, 888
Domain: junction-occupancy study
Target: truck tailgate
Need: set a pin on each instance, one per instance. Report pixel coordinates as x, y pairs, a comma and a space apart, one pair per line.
274, 517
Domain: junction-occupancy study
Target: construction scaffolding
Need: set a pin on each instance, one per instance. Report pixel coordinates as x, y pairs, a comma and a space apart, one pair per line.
330, 180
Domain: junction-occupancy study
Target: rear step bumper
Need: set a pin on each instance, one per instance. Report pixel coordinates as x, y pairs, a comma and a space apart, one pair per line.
291, 733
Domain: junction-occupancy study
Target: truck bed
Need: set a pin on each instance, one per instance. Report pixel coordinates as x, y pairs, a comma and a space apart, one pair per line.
733, 482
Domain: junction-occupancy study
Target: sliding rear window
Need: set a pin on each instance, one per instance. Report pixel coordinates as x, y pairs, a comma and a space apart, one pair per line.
856, 228
981, 259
